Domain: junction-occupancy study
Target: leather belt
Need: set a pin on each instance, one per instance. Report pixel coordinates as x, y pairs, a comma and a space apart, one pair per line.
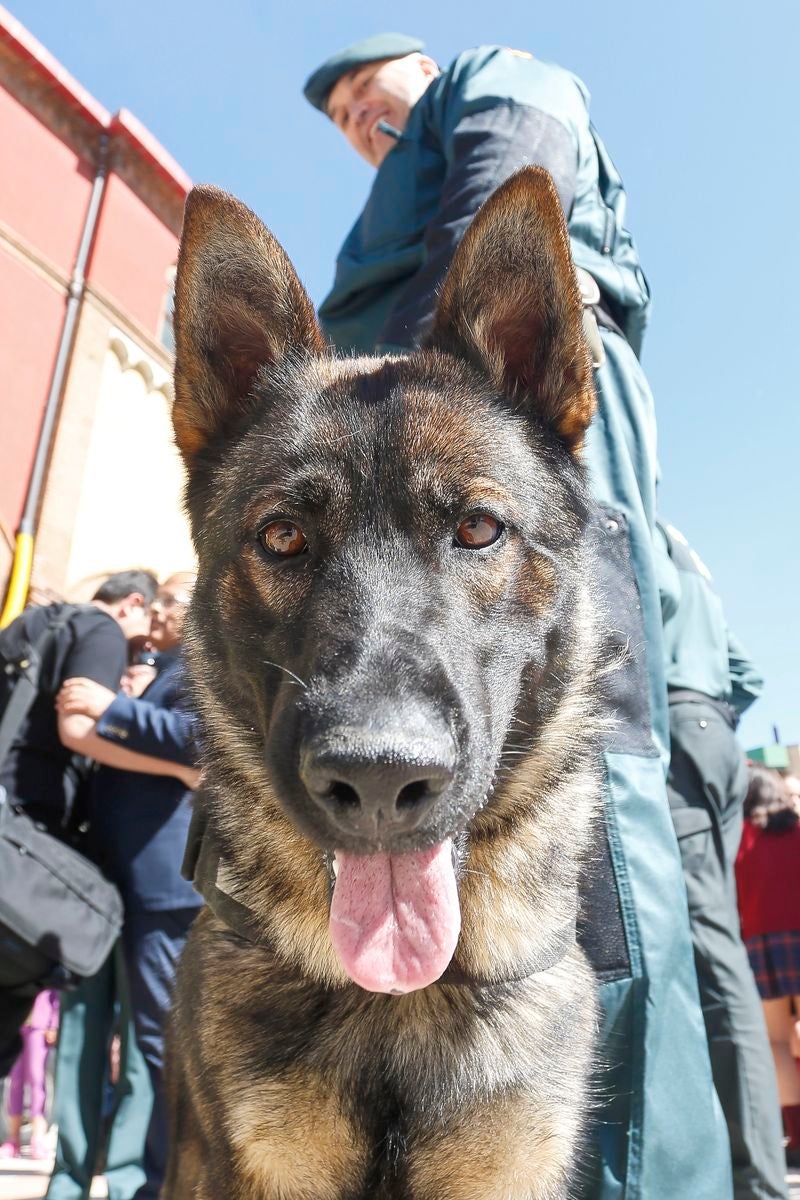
690, 696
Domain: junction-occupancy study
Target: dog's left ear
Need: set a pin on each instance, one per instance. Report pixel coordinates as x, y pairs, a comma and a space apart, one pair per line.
510, 303
238, 306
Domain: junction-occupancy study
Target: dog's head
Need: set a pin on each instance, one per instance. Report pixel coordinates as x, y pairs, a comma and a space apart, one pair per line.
389, 549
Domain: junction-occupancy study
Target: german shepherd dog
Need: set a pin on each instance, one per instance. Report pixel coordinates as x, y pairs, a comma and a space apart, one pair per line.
396, 659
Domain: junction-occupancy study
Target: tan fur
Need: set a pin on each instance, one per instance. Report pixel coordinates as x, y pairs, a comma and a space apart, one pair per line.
300, 1150
513, 1150
508, 325
289, 1082
291, 1134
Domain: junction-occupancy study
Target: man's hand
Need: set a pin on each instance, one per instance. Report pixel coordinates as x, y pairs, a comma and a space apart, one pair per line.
190, 776
136, 679
83, 697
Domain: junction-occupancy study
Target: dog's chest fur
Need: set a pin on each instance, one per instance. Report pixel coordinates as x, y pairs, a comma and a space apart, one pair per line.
357, 1097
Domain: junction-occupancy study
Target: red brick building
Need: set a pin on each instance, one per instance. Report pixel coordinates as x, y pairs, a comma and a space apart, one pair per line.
73, 172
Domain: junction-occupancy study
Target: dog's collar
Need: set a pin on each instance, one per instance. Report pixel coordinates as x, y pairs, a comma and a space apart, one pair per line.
241, 921
550, 956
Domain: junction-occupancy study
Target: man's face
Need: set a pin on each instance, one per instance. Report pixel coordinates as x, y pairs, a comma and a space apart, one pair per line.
385, 90
168, 611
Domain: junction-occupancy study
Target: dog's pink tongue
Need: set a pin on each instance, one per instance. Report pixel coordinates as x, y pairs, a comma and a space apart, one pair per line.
395, 918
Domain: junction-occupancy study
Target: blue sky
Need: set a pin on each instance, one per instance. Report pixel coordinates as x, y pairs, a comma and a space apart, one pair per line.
697, 102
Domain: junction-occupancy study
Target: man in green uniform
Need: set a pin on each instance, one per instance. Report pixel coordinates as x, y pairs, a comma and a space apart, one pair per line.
711, 683
441, 143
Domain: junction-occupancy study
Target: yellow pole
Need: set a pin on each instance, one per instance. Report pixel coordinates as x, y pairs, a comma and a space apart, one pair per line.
20, 579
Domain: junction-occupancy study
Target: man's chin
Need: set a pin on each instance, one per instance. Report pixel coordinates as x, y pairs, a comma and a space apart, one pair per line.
378, 146
374, 155
383, 144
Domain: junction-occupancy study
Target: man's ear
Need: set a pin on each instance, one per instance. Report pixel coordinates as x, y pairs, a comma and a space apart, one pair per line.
131, 601
429, 66
510, 304
238, 306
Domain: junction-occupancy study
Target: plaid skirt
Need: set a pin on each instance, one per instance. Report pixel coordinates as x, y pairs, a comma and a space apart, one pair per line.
775, 959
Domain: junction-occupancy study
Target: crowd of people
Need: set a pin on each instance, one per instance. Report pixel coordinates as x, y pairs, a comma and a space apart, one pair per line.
114, 692
686, 819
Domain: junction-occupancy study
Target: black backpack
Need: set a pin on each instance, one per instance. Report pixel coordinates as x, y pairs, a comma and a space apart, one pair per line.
59, 915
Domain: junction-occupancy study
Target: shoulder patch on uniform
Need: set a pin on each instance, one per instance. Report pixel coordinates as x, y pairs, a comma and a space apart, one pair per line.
682, 554
701, 566
676, 533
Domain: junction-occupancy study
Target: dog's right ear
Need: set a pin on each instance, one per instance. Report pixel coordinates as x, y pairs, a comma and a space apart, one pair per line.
510, 303
238, 306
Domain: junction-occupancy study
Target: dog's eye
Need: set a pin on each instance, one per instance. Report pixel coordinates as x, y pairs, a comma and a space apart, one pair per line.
283, 538
478, 530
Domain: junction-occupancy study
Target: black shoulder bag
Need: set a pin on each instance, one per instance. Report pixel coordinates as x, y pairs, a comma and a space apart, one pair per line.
59, 916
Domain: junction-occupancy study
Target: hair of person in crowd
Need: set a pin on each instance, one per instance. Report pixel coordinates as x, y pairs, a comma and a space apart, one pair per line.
769, 804
124, 583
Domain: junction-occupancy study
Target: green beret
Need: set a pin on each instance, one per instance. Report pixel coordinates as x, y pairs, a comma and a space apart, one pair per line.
381, 45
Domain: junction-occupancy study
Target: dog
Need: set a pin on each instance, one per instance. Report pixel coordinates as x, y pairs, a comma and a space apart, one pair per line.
396, 656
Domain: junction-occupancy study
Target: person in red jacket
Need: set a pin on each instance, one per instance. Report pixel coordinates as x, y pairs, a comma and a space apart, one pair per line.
768, 882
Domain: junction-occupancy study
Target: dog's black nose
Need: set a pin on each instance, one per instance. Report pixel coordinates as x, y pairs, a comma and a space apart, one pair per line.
371, 785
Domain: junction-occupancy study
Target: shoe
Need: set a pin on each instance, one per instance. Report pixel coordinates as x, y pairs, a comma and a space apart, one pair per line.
9, 1150
38, 1148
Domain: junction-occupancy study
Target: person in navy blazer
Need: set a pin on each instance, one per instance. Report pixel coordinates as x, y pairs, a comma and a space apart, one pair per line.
140, 822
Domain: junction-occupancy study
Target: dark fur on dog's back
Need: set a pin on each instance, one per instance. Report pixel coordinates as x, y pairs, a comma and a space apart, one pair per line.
391, 641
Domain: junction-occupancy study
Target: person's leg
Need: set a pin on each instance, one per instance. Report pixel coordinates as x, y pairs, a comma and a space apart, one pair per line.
84, 1029
16, 1084
707, 783
781, 1019
16, 1104
780, 1024
124, 1167
794, 1039
153, 945
35, 1060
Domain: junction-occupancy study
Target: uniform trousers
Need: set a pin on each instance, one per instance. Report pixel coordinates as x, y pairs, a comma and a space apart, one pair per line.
658, 1132
88, 1017
153, 944
707, 784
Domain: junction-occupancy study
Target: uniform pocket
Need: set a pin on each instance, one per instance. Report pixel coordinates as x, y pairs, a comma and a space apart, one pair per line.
625, 688
694, 829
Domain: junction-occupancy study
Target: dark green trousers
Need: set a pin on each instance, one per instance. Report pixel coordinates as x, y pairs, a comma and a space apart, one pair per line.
87, 1021
707, 784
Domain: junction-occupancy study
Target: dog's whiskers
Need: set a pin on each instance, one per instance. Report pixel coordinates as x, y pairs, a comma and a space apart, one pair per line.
268, 663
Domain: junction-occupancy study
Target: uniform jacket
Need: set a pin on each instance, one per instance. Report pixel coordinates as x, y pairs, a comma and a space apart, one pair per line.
700, 652
660, 1131
141, 821
494, 110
